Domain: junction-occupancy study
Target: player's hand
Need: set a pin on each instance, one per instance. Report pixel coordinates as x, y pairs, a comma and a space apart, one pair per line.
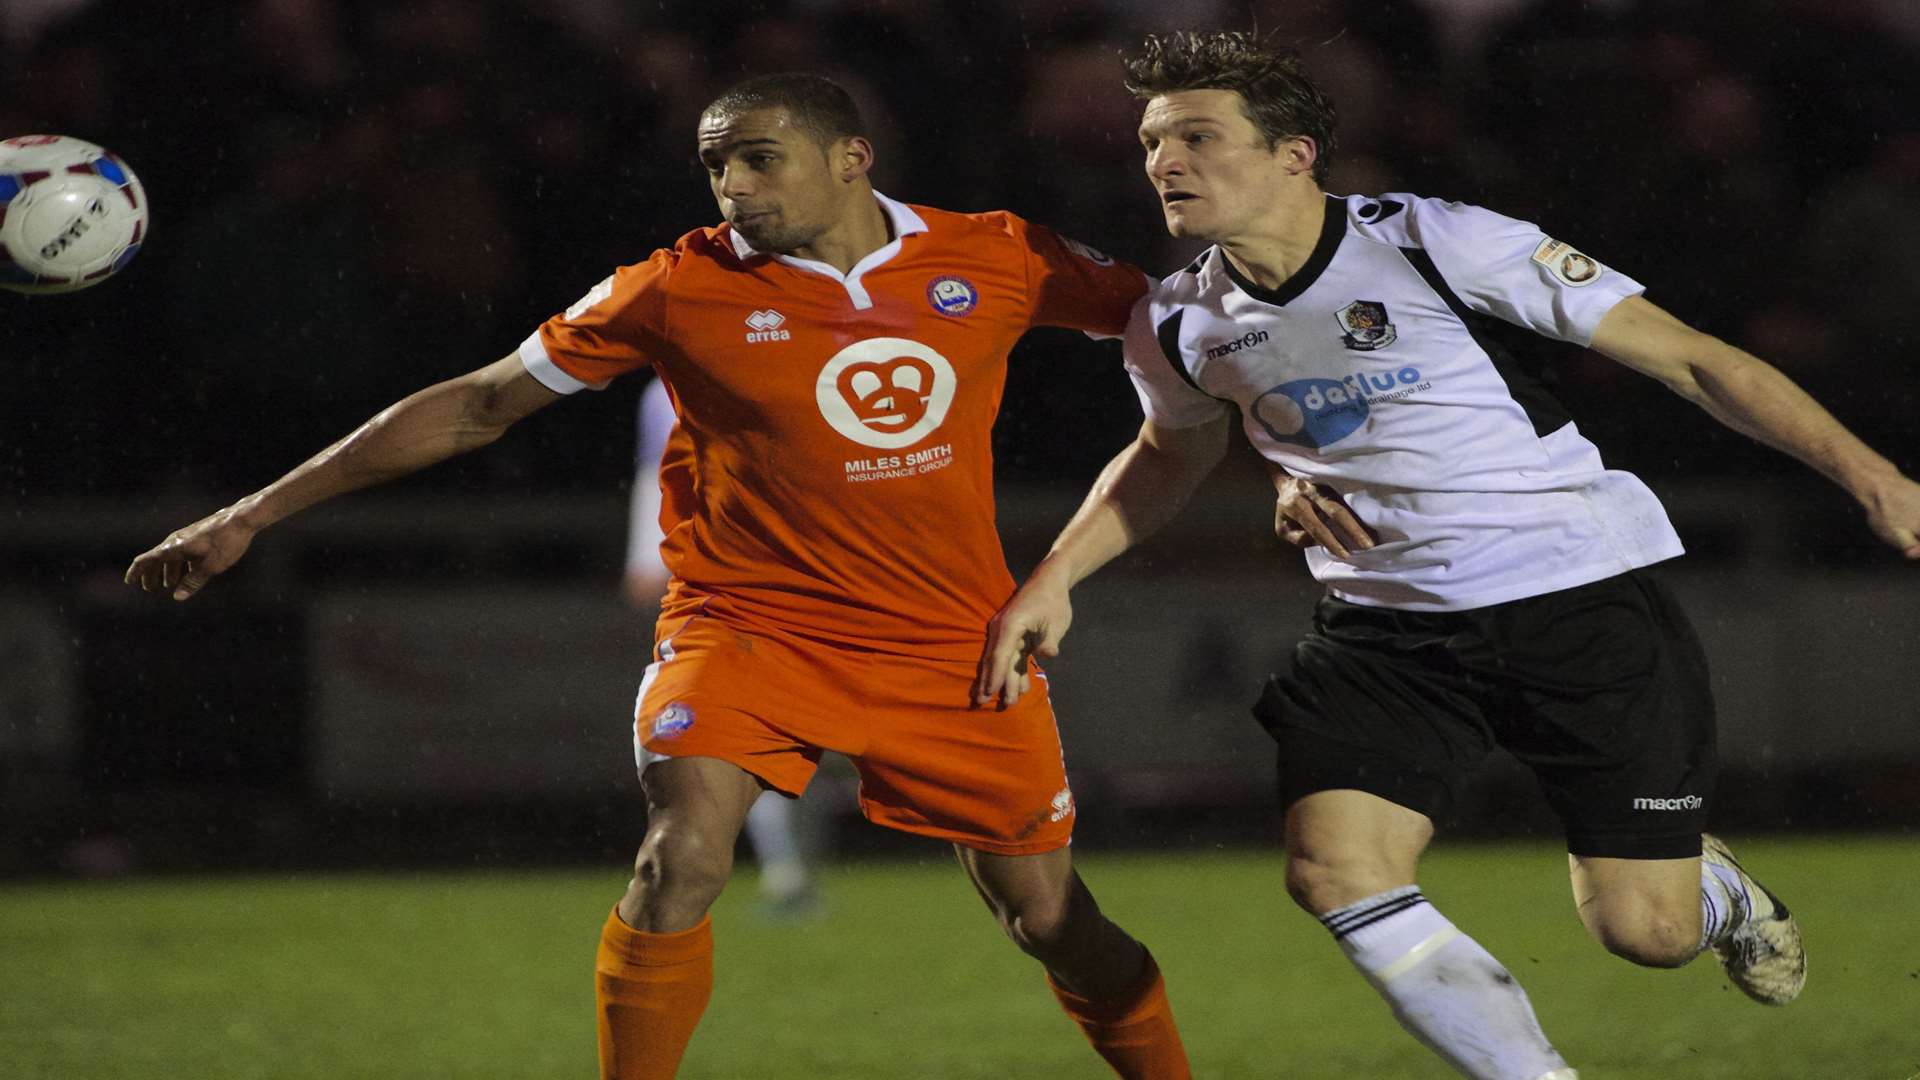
1030, 624
1894, 516
1307, 515
192, 556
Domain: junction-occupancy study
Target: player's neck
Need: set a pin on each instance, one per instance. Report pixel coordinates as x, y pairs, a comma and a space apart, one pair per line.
858, 234
1280, 241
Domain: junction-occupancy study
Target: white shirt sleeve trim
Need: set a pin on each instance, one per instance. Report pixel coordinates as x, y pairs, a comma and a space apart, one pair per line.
533, 354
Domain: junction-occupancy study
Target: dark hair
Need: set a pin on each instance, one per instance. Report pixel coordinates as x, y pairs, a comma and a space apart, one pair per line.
815, 102
1276, 93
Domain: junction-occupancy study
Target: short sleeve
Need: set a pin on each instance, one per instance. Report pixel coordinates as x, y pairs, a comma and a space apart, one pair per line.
1074, 286
1166, 397
619, 326
1511, 270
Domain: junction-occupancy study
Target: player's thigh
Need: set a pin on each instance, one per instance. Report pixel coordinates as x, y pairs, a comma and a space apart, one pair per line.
752, 700
988, 779
1614, 714
1379, 701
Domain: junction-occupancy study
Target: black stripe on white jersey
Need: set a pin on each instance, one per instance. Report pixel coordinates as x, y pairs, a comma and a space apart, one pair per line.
1526, 380
1168, 334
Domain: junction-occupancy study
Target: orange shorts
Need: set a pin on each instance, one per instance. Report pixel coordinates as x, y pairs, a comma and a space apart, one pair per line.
929, 763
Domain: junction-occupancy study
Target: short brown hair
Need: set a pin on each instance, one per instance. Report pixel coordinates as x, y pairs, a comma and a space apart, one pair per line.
817, 104
1276, 93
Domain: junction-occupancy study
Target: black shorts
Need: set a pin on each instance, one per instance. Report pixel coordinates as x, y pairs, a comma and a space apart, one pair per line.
1600, 689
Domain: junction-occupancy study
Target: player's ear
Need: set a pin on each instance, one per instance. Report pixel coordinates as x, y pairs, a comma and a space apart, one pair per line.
852, 156
1298, 154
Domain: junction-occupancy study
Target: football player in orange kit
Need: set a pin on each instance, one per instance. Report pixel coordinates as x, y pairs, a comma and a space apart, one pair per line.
836, 360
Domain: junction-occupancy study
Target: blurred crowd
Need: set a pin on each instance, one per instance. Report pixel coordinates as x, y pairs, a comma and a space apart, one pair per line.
354, 198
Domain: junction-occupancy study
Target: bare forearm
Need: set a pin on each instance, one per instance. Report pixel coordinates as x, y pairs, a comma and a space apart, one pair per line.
1757, 400
1138, 492
428, 427
1743, 392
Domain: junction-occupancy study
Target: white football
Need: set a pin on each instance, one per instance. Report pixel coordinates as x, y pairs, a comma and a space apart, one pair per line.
71, 214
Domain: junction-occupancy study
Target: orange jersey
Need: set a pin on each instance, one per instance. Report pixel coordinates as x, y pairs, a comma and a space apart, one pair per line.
830, 473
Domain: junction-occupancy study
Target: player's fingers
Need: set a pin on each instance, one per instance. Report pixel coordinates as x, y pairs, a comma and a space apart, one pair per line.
1304, 515
985, 663
190, 582
1343, 521
1015, 685
1048, 646
1000, 663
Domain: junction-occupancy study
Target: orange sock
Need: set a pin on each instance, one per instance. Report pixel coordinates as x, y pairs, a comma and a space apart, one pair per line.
1134, 1032
650, 990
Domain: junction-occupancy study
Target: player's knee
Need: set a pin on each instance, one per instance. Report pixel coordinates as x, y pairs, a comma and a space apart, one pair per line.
681, 867
1320, 884
1647, 939
1037, 924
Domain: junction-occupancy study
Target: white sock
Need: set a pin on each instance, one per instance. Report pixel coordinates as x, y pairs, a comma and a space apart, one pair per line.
770, 830
1445, 989
1724, 903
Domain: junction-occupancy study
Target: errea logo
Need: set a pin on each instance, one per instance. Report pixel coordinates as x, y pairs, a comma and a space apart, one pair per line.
765, 326
1684, 802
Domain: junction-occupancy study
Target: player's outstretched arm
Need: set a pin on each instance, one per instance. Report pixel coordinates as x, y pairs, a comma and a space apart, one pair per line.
1752, 397
1139, 491
445, 419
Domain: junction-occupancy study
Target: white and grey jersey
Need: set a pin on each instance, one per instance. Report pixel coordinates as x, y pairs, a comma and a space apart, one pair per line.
1371, 370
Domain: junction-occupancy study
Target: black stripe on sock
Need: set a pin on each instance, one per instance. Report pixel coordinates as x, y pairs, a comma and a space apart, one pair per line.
1335, 921
1347, 923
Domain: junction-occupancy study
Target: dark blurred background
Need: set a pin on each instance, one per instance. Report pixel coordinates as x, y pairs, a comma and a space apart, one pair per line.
354, 199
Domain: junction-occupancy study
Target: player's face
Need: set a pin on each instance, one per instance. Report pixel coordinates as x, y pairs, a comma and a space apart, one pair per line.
770, 177
1210, 166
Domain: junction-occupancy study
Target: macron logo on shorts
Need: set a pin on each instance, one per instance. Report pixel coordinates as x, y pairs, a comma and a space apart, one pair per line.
1684, 802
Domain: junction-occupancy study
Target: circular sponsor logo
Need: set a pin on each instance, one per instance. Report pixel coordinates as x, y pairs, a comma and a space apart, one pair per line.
952, 295
885, 392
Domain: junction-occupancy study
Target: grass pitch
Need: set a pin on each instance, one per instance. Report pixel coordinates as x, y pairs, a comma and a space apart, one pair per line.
903, 975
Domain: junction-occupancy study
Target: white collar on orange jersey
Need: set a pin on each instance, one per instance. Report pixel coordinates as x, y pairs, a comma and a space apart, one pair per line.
905, 223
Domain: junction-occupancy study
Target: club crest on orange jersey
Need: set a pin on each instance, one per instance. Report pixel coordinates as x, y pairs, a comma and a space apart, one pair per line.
951, 295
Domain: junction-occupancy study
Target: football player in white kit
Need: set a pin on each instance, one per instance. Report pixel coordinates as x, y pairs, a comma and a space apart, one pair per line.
1487, 576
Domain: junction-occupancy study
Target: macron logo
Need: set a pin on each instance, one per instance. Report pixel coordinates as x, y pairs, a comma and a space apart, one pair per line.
765, 326
1685, 802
